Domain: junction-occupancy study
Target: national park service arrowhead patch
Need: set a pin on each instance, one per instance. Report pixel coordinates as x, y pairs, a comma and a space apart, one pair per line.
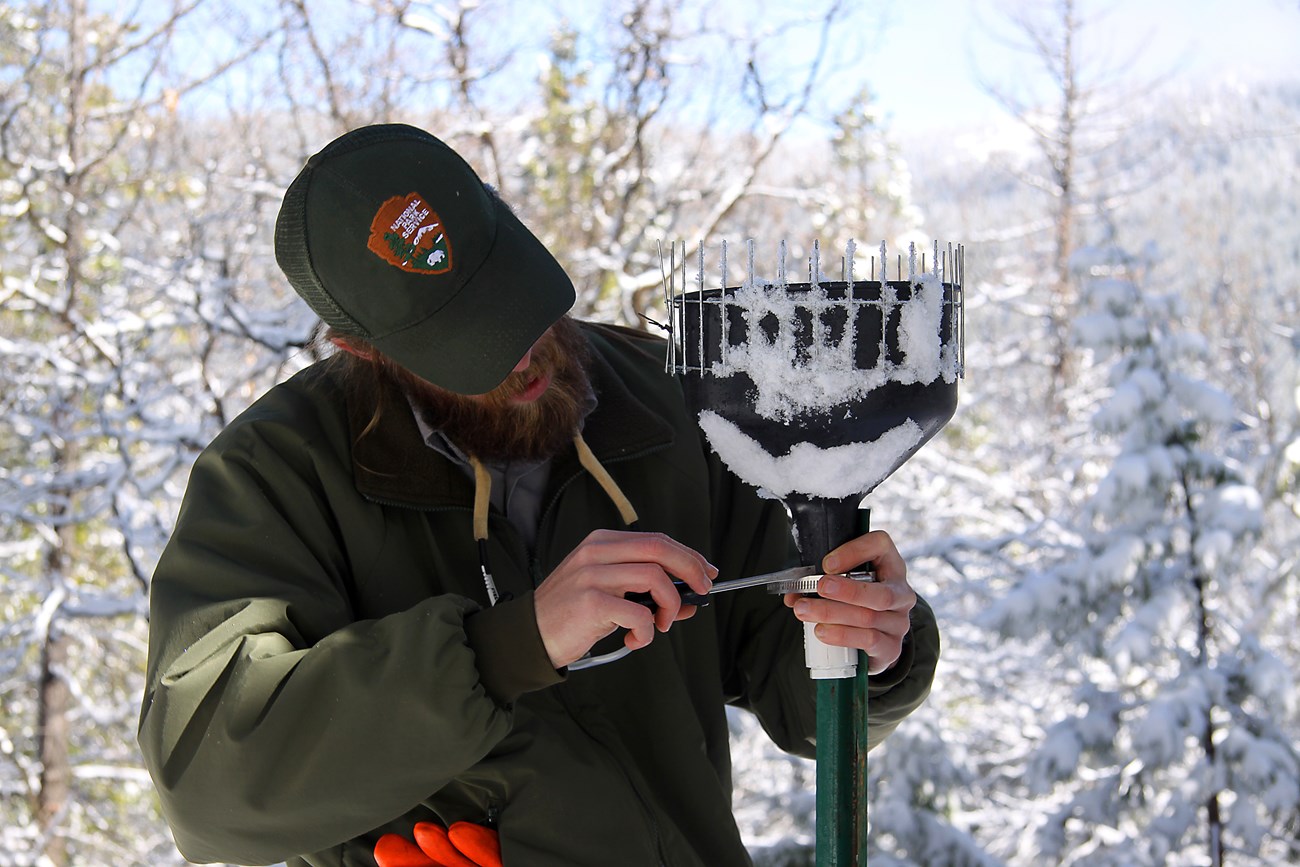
407, 233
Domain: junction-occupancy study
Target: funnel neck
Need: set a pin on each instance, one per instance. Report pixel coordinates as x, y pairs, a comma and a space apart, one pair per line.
821, 524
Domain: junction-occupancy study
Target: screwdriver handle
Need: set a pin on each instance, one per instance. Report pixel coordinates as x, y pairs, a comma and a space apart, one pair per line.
689, 597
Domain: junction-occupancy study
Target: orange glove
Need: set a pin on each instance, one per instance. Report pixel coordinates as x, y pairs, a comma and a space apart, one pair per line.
464, 844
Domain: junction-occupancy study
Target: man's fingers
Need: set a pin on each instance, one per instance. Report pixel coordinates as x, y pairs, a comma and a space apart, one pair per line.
661, 588
637, 620
813, 610
644, 583
870, 616
879, 636
615, 547
882, 649
583, 599
876, 595
876, 548
839, 598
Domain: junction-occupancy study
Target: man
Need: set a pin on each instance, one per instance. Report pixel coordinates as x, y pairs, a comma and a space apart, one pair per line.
396, 599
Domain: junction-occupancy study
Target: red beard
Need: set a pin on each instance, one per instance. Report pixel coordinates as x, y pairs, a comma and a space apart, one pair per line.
497, 426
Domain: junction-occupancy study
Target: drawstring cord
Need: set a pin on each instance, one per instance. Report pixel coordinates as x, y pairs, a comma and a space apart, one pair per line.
482, 492
482, 498
606, 481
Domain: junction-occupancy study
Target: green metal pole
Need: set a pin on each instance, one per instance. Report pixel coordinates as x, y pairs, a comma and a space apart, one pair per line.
835, 831
842, 763
860, 762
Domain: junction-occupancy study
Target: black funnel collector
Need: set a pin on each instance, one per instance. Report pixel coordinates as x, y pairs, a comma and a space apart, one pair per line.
817, 391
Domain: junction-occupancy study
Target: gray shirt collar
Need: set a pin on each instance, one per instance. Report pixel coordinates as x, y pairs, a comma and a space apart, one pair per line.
518, 487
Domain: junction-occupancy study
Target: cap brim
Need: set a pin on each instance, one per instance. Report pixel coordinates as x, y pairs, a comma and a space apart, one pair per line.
472, 342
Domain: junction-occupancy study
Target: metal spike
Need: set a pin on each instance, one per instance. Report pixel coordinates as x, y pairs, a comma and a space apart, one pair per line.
700, 305
672, 307
668, 307
961, 272
686, 362
722, 306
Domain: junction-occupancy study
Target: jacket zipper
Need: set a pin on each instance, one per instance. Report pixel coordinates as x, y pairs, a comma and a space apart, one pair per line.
380, 501
547, 515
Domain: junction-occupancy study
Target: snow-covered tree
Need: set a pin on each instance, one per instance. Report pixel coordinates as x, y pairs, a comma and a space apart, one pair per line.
122, 338
1174, 747
1075, 109
676, 120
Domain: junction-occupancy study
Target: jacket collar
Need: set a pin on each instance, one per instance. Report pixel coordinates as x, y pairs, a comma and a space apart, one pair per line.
392, 464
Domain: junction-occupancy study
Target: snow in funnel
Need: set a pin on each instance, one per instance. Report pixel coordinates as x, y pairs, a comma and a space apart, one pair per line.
789, 383
836, 473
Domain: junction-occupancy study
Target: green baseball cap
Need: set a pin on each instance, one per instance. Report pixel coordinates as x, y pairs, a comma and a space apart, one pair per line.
389, 235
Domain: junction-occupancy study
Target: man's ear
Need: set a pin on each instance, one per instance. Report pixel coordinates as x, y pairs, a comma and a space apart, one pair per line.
363, 352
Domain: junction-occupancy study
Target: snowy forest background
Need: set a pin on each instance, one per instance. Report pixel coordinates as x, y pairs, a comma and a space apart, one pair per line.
1109, 528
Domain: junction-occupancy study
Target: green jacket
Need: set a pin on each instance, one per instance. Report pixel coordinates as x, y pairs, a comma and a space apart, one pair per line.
324, 666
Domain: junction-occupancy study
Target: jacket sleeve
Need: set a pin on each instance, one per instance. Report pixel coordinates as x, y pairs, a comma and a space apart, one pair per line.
274, 722
763, 641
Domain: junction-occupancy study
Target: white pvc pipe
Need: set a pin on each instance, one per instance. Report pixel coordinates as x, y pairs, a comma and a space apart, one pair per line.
826, 661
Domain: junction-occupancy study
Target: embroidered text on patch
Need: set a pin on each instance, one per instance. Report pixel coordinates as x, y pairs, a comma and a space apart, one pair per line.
408, 234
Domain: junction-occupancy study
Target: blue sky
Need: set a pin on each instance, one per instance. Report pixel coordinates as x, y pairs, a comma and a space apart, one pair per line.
922, 59
923, 65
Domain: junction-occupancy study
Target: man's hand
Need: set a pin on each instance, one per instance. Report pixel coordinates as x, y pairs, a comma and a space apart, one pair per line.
872, 616
582, 601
